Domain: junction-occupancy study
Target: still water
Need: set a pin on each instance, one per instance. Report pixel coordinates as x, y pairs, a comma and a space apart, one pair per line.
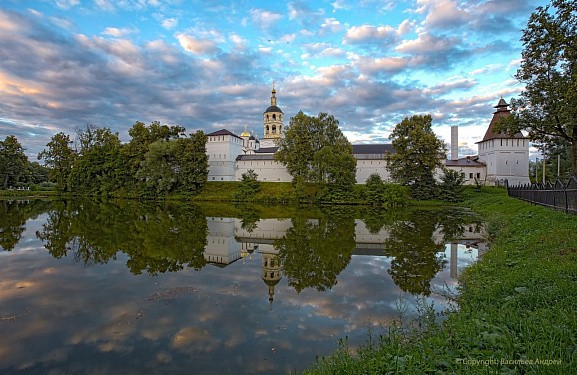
125, 287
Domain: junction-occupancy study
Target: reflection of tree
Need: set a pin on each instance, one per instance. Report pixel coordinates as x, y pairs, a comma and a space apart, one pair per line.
314, 252
414, 251
168, 240
376, 218
156, 239
454, 220
13, 216
249, 218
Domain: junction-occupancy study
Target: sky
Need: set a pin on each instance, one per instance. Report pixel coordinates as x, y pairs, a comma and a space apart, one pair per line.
210, 64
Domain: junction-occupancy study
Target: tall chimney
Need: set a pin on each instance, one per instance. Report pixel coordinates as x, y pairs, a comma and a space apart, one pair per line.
454, 142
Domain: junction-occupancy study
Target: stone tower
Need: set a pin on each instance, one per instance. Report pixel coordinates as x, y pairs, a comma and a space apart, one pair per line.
506, 156
273, 122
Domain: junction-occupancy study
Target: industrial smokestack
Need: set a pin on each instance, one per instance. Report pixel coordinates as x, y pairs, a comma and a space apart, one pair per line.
454, 142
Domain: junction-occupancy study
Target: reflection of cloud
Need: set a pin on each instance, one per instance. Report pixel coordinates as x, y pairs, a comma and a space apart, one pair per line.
64, 310
195, 339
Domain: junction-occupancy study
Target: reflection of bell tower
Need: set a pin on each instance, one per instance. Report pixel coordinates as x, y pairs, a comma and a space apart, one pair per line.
271, 272
273, 121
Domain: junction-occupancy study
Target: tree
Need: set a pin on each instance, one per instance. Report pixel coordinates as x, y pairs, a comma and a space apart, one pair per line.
97, 168
142, 137
418, 153
59, 157
315, 150
12, 161
451, 187
249, 186
547, 108
175, 165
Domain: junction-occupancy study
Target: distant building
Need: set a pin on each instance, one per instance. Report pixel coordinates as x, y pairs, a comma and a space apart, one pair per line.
500, 156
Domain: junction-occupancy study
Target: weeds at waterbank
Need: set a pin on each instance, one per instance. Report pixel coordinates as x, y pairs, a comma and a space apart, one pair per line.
516, 306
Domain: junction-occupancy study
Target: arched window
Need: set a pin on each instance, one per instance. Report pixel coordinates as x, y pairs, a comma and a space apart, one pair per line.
274, 116
266, 130
274, 129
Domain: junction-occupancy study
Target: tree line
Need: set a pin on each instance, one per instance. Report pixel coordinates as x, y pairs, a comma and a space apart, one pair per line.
16, 171
158, 160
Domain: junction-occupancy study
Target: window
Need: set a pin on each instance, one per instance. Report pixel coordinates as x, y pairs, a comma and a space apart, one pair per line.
470, 175
478, 175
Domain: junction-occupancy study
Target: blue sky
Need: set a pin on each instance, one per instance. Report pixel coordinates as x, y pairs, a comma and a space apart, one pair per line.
210, 64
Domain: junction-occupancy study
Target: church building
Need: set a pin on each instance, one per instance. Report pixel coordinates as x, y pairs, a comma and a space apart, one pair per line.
500, 156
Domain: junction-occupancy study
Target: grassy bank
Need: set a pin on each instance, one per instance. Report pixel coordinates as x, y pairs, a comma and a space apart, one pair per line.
518, 305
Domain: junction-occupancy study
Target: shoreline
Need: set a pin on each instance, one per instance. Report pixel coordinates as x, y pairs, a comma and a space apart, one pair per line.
516, 309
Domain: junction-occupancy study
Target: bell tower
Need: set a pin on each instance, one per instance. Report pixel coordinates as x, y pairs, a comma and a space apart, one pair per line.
273, 122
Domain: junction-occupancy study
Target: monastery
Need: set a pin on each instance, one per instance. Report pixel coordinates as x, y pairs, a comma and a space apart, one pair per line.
500, 156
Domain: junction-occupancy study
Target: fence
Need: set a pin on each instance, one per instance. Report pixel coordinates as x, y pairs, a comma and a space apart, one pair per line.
560, 196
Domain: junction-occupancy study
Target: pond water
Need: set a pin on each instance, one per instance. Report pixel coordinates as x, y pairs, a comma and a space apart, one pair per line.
124, 287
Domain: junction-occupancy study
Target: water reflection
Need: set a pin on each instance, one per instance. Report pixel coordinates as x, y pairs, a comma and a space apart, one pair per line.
156, 239
164, 288
310, 252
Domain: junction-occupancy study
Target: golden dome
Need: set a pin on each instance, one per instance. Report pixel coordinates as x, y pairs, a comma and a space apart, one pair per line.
245, 134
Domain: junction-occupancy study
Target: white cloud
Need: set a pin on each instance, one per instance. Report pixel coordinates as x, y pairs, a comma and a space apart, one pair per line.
385, 64
368, 33
66, 4
170, 23
443, 13
426, 43
264, 19
196, 46
491, 68
117, 33
331, 26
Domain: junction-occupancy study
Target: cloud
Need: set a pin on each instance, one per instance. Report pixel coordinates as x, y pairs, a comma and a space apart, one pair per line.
457, 83
442, 14
491, 68
196, 46
170, 23
117, 33
264, 19
385, 64
330, 26
300, 12
66, 3
370, 34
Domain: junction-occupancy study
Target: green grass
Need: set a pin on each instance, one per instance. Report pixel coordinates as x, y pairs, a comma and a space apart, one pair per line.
27, 193
518, 303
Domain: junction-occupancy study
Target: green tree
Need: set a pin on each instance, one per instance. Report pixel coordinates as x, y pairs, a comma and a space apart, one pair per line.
451, 187
547, 108
142, 137
249, 185
418, 154
175, 165
315, 150
97, 168
12, 161
59, 157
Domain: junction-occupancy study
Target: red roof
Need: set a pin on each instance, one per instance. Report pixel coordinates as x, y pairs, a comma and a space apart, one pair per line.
502, 111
